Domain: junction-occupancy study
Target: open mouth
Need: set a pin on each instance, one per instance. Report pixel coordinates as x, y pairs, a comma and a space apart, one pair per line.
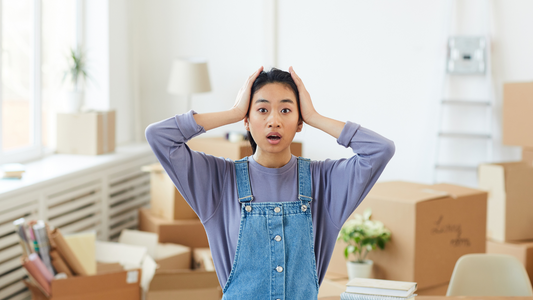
274, 137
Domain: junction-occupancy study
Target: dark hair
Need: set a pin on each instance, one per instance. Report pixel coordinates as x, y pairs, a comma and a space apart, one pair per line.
273, 76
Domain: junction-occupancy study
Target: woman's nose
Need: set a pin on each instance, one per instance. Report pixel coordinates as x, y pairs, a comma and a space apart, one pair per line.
273, 121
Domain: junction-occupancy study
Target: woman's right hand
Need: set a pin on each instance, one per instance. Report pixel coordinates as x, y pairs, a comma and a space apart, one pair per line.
243, 97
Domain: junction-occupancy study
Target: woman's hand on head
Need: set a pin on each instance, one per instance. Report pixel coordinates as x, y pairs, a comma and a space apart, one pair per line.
306, 105
243, 97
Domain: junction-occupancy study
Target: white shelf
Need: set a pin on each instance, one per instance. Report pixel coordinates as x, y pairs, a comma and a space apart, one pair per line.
57, 167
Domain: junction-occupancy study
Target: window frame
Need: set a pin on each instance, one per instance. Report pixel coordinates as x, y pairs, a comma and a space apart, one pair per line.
36, 150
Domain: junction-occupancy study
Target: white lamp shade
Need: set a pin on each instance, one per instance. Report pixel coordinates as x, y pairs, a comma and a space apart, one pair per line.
189, 76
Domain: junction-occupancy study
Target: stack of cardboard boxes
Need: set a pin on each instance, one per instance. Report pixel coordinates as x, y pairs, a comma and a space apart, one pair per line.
173, 220
432, 226
510, 185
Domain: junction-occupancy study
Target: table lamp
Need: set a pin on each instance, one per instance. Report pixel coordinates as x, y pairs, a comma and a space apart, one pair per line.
189, 76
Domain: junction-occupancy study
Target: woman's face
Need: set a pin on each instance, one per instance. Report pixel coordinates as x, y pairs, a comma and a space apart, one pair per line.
273, 117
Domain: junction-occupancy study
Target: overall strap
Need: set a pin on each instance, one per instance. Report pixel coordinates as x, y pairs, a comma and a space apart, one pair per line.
244, 188
304, 179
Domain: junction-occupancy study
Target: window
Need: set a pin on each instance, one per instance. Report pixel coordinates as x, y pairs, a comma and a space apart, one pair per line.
36, 36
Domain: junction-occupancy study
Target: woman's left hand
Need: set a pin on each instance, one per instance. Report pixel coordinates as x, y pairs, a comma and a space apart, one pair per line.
306, 105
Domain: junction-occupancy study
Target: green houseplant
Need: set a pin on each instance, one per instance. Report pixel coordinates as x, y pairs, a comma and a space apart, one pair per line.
77, 75
362, 235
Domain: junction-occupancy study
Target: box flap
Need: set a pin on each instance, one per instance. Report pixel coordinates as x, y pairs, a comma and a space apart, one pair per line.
140, 238
126, 255
130, 257
167, 250
405, 192
82, 245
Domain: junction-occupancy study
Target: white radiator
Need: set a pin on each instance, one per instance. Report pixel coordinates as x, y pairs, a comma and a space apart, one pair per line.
104, 200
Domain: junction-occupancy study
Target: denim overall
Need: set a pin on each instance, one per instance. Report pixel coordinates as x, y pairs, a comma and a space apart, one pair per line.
275, 257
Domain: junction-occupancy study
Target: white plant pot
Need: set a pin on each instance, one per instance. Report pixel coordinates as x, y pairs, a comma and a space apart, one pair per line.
360, 270
73, 102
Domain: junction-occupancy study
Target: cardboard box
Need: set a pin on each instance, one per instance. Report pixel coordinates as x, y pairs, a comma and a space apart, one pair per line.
108, 284
527, 156
166, 201
90, 133
220, 147
523, 251
190, 233
184, 284
510, 202
517, 112
431, 227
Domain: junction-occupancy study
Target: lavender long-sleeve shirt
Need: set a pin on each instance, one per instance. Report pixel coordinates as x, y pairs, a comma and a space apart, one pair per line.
208, 184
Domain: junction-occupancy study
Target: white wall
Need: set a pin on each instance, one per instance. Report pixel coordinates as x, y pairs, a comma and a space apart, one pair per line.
228, 34
108, 45
378, 63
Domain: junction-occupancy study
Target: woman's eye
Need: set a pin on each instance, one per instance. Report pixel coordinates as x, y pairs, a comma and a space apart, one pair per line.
262, 110
285, 110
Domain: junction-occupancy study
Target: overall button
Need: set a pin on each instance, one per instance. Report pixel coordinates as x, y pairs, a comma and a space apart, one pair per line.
277, 238
277, 209
248, 208
304, 207
279, 269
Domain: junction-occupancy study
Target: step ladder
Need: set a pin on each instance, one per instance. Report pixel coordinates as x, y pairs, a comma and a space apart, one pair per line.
465, 134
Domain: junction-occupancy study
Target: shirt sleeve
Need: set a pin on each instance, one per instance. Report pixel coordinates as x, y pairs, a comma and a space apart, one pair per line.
200, 178
343, 184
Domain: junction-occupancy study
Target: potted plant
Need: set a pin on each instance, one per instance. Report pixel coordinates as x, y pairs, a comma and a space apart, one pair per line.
362, 235
77, 74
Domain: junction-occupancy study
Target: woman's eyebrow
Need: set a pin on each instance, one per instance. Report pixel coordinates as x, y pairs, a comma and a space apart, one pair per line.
266, 101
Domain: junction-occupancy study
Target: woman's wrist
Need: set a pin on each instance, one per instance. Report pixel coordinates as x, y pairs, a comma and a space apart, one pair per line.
328, 125
217, 119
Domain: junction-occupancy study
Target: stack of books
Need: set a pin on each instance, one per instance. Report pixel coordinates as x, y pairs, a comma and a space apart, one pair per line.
377, 289
12, 171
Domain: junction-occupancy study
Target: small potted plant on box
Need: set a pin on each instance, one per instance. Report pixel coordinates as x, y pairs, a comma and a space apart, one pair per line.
77, 74
362, 235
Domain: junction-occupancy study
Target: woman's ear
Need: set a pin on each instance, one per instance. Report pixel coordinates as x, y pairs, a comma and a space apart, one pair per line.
300, 126
246, 124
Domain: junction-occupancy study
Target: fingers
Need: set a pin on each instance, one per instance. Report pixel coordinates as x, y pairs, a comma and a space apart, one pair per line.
295, 77
255, 74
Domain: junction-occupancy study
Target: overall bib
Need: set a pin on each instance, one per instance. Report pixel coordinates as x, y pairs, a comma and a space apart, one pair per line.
275, 257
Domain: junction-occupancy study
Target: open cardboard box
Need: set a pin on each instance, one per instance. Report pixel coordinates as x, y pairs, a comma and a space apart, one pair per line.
111, 282
431, 227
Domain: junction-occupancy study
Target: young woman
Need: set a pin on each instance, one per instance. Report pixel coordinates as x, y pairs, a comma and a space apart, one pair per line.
271, 219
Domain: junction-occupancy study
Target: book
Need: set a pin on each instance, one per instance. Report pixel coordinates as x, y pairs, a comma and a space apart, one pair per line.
14, 170
381, 287
38, 271
351, 296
